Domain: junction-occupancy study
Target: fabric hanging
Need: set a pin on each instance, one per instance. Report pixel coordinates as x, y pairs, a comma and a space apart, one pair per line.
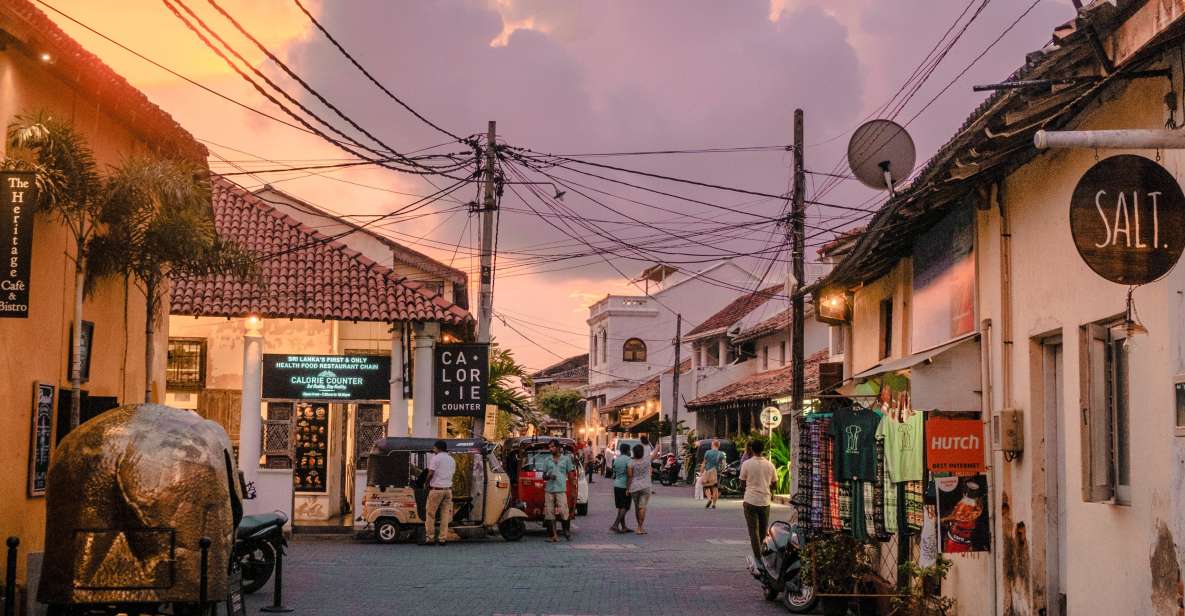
879, 488
913, 506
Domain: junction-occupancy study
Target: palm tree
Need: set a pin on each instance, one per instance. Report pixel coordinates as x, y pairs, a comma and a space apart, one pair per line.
70, 190
507, 381
157, 222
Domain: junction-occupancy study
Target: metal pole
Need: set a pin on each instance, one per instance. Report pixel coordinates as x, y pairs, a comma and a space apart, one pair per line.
796, 232
277, 605
675, 387
10, 577
204, 578
489, 205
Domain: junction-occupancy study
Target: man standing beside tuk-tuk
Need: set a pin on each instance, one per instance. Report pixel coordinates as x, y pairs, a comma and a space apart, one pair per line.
555, 504
441, 468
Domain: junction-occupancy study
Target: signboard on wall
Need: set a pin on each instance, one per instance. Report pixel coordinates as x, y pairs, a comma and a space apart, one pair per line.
1127, 217
460, 382
310, 448
954, 446
962, 508
943, 304
43, 405
326, 377
18, 197
85, 343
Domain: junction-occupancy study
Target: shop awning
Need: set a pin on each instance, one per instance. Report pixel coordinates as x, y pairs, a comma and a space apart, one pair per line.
641, 419
909, 361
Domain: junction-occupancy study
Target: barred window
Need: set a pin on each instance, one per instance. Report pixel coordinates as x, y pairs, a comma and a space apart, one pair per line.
186, 368
633, 350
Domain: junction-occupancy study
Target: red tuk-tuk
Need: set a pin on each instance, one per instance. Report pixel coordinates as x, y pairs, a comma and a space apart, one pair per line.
522, 458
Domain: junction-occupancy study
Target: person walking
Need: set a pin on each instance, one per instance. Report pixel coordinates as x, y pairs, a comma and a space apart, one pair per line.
710, 472
640, 486
441, 468
587, 458
555, 500
621, 495
757, 478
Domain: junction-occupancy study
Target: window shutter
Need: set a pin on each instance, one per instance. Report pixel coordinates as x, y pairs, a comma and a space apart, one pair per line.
1097, 483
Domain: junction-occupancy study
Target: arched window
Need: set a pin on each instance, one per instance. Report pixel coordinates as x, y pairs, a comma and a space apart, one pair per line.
633, 350
593, 356
604, 346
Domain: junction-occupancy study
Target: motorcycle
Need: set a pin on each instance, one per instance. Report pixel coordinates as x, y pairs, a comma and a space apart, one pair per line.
666, 469
258, 540
780, 569
729, 480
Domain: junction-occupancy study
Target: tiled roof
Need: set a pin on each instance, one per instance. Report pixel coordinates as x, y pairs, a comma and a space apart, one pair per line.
308, 275
573, 367
648, 390
736, 310
84, 71
764, 385
780, 321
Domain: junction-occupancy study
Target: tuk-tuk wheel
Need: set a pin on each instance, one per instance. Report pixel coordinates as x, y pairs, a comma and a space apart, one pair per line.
512, 529
386, 531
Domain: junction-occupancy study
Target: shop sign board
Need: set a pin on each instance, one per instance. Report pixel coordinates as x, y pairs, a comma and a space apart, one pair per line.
326, 377
771, 417
460, 385
954, 446
962, 512
43, 406
18, 196
1127, 217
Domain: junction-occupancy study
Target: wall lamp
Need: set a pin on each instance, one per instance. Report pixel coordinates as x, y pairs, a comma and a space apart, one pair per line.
833, 306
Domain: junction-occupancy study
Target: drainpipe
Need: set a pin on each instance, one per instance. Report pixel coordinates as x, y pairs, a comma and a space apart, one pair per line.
985, 376
1005, 339
1164, 139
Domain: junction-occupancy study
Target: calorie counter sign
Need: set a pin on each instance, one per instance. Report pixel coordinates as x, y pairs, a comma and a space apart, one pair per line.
460, 379
954, 446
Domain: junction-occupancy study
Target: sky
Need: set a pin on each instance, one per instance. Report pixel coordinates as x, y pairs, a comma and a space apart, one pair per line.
577, 77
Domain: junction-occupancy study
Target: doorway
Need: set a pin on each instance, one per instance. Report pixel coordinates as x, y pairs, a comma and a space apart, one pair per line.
1054, 454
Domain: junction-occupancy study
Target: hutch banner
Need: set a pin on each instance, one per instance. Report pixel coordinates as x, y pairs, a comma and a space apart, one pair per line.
954, 446
326, 377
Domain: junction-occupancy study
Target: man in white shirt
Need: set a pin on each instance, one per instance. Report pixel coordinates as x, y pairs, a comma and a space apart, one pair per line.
441, 468
758, 477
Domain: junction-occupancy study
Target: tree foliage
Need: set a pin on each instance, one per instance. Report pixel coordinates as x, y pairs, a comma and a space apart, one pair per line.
561, 404
508, 378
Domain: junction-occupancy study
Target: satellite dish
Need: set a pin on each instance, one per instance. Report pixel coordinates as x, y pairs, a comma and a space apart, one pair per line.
881, 154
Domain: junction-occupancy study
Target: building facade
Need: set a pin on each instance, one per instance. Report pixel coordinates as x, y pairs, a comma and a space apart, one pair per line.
44, 70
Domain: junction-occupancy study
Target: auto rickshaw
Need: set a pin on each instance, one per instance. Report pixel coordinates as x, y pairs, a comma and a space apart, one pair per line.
523, 457
141, 508
397, 492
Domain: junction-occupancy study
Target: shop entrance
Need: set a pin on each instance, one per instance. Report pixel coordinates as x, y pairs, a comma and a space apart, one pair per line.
1055, 475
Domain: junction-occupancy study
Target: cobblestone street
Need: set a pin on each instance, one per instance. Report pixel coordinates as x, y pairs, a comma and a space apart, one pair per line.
691, 562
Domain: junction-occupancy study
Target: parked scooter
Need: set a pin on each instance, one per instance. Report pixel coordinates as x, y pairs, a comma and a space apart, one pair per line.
666, 469
257, 542
729, 480
780, 569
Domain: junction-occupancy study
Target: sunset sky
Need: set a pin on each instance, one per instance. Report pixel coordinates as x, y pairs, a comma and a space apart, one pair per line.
571, 77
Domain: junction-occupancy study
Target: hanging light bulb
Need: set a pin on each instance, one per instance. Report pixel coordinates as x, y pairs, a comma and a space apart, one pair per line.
1132, 326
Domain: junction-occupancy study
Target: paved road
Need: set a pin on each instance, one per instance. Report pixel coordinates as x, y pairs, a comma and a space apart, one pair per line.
691, 562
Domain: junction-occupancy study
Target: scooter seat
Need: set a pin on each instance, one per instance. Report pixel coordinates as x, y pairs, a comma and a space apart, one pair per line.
252, 524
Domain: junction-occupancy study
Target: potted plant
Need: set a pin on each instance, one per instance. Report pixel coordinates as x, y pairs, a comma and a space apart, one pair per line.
835, 564
917, 598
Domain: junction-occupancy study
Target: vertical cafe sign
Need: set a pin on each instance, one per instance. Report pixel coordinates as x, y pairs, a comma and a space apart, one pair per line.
43, 406
461, 379
1127, 216
18, 196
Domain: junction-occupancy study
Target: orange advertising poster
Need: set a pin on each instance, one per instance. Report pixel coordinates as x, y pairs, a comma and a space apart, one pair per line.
955, 446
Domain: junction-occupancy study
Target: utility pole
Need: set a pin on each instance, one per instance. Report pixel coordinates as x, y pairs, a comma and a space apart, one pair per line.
675, 387
796, 232
489, 207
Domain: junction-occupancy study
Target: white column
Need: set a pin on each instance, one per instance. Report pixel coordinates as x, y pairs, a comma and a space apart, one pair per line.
722, 345
397, 423
423, 423
250, 421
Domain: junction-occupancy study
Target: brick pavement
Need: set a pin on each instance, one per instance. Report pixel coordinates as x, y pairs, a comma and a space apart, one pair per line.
691, 562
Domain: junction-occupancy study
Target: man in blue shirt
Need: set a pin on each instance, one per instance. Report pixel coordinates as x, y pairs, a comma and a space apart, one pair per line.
555, 500
713, 463
621, 496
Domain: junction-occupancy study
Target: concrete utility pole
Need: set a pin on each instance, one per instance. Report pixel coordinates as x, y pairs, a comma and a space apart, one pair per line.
795, 231
675, 387
489, 205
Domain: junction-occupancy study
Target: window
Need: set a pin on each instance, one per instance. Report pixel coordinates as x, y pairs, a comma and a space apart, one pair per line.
765, 357
593, 356
604, 346
782, 352
633, 350
186, 369
886, 346
838, 340
1106, 455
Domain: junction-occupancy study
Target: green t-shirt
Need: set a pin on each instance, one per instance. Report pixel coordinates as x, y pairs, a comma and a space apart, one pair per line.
620, 464
558, 469
712, 458
903, 448
855, 443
